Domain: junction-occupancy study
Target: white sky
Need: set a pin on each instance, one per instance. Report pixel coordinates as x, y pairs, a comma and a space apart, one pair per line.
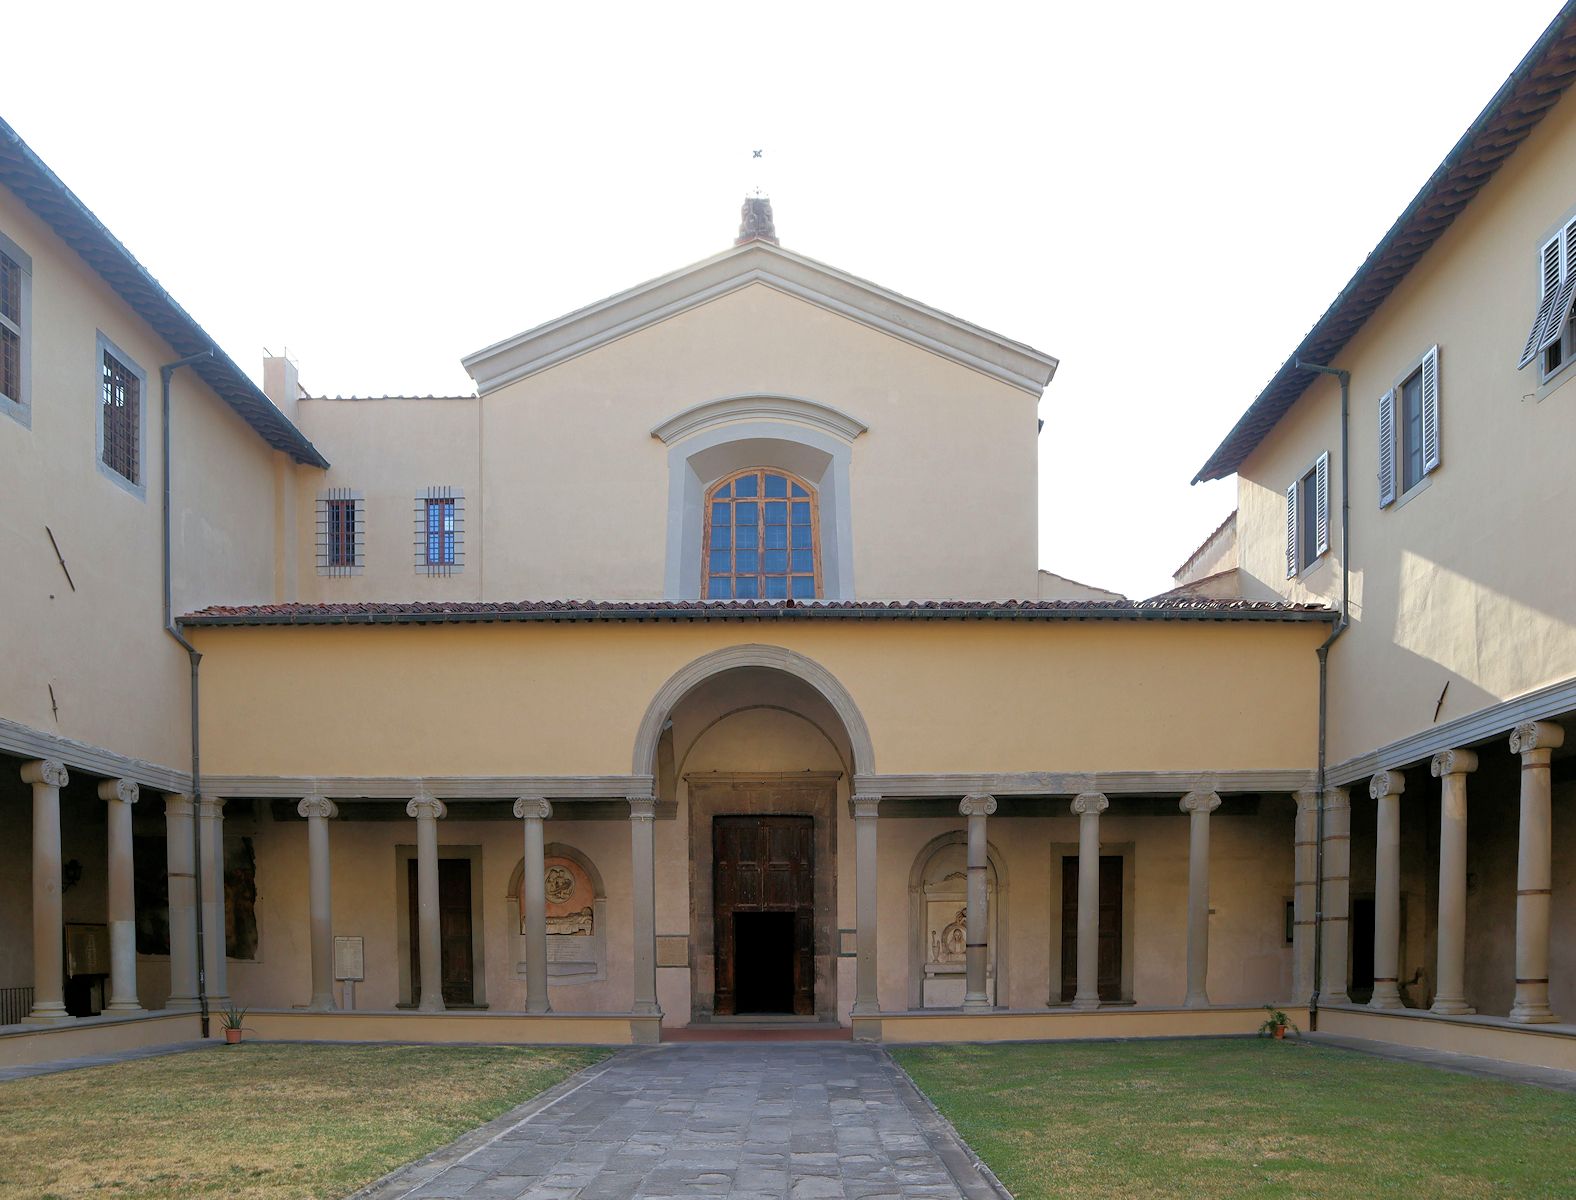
1163, 196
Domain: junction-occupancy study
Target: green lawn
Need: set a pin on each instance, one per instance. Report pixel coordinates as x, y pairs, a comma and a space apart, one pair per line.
1221, 1118
264, 1122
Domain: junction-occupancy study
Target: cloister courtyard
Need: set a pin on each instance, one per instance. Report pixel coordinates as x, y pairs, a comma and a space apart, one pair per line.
1158, 1118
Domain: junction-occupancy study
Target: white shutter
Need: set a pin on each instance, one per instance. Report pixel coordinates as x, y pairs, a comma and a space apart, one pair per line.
1387, 449
1552, 268
1291, 529
1321, 503
1430, 409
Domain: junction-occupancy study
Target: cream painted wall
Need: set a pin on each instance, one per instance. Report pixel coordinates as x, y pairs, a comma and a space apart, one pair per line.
1467, 582
224, 500
963, 696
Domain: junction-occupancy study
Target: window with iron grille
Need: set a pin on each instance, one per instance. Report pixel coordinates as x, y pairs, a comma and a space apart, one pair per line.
122, 388
15, 299
440, 524
341, 530
762, 538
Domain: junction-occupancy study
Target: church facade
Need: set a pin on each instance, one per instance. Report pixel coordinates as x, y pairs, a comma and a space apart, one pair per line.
697, 671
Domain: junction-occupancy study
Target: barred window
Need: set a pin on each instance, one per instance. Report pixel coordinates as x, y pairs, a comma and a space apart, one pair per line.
10, 328
341, 521
440, 524
762, 538
120, 413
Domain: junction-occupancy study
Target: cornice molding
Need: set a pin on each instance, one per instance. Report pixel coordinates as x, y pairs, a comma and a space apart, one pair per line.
456, 787
627, 312
725, 411
26, 742
1071, 783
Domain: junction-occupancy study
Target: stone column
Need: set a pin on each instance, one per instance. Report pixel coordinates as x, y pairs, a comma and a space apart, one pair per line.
533, 810
1198, 806
1305, 893
1451, 768
977, 949
643, 877
121, 901
319, 811
866, 896
1337, 896
49, 975
428, 811
1386, 788
183, 901
1535, 742
1088, 806
210, 820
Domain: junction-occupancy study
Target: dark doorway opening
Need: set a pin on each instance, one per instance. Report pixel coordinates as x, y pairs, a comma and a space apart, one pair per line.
454, 932
1362, 934
1109, 970
763, 962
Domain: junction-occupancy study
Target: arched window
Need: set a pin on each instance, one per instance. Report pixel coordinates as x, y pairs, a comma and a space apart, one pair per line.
762, 538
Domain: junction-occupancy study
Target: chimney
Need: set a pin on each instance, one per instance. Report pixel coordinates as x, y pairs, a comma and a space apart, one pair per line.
755, 221
281, 384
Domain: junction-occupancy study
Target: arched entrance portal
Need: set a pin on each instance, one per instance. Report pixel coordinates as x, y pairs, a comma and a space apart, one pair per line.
757, 747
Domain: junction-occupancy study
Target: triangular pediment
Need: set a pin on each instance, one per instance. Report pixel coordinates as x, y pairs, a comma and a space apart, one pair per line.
760, 262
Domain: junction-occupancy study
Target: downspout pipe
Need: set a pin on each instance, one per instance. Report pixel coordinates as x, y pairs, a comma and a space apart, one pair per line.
193, 658
1323, 651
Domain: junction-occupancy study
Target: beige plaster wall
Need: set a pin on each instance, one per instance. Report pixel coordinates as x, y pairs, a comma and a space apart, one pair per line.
1464, 584
964, 696
118, 681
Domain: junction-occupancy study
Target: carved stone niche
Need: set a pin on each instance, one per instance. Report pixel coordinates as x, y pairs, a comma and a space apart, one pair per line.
576, 919
943, 917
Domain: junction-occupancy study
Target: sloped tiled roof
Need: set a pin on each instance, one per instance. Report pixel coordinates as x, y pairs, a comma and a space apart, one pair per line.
1196, 609
23, 173
1533, 88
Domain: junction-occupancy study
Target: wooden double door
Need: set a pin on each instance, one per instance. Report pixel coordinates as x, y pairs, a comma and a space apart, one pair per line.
763, 903
1109, 971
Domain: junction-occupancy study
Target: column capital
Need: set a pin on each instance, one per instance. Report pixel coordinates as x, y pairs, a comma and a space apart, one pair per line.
123, 790
977, 804
1090, 803
177, 804
317, 806
865, 803
533, 808
1337, 797
1536, 735
49, 771
642, 808
1200, 802
1386, 783
1452, 762
211, 806
1307, 799
426, 806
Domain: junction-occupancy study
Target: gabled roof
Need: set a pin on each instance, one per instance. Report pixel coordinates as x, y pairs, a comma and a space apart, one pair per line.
1533, 88
759, 261
24, 174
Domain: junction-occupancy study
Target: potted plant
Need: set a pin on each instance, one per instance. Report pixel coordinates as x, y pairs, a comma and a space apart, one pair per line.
233, 1022
1276, 1024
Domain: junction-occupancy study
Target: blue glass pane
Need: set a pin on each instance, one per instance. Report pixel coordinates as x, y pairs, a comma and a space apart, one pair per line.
801, 512
719, 561
719, 537
746, 485
745, 562
776, 587
776, 485
745, 537
804, 560
804, 587
777, 512
744, 588
720, 515
724, 491
801, 535
745, 514
718, 589
776, 561
799, 491
777, 537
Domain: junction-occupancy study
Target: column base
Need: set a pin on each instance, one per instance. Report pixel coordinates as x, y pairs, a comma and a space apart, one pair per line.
48, 1013
1386, 1000
123, 1007
432, 1006
1087, 1003
1196, 1000
1327, 996
865, 1008
1451, 1008
646, 1008
977, 1003
182, 1004
322, 1004
1534, 1014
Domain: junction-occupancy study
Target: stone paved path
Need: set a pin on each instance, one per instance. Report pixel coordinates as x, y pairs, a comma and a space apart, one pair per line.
778, 1121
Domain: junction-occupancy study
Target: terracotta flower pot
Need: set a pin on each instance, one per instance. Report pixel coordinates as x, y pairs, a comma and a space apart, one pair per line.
234, 1035
1280, 1032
